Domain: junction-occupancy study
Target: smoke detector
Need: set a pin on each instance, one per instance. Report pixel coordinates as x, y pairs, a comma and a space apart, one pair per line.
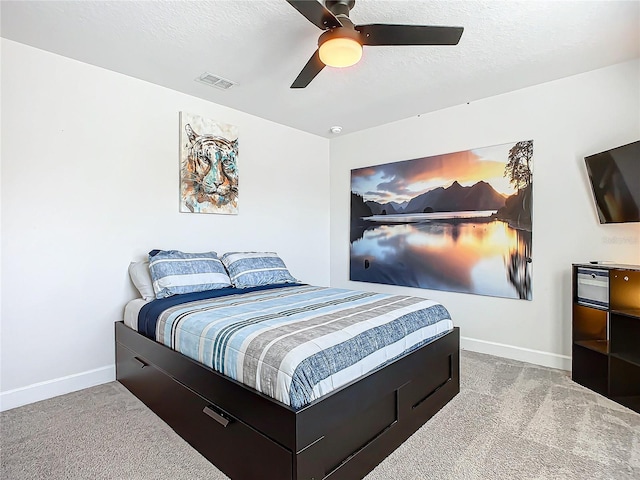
215, 81
336, 129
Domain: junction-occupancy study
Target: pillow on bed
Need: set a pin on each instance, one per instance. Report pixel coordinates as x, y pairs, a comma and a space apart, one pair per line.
252, 269
141, 278
174, 272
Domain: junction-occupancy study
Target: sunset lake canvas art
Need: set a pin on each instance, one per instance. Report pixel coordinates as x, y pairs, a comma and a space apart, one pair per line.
460, 222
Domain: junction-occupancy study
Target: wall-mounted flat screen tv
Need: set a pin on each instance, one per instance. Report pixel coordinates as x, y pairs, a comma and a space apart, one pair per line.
615, 182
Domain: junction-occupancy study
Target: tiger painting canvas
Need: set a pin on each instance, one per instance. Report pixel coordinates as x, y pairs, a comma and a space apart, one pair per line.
208, 166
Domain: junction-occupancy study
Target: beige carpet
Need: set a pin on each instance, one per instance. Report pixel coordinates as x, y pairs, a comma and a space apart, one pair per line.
511, 420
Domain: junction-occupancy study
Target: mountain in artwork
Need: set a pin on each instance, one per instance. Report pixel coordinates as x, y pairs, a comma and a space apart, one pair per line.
454, 198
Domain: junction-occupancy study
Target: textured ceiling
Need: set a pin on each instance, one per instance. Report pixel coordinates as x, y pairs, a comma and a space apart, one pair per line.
263, 44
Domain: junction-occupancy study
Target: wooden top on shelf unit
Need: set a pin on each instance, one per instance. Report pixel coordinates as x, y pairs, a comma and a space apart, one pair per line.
608, 266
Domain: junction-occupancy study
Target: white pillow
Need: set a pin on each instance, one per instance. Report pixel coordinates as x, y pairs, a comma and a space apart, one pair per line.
141, 278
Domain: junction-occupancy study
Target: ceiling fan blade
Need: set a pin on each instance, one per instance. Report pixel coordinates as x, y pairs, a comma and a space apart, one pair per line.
313, 67
316, 13
381, 34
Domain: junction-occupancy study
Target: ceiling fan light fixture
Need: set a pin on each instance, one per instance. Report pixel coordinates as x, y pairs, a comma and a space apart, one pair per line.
340, 47
340, 52
341, 43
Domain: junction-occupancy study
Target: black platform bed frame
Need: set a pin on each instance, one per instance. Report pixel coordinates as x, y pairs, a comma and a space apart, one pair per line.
247, 435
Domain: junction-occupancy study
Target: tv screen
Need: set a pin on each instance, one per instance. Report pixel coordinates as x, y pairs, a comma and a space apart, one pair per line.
615, 181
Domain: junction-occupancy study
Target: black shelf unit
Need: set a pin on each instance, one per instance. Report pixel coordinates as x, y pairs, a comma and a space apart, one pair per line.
606, 330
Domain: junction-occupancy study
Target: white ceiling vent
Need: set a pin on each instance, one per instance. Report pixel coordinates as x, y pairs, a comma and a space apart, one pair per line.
215, 81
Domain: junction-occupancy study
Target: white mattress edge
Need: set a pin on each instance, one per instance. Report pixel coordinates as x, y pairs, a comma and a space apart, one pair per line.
131, 311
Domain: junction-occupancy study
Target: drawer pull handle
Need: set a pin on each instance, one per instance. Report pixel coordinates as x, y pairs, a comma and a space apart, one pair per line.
222, 420
141, 362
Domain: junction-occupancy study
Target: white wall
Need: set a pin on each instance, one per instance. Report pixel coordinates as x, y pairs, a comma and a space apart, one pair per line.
90, 182
567, 119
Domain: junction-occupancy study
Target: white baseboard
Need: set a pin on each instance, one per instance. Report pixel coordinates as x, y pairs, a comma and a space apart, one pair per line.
538, 357
71, 383
58, 386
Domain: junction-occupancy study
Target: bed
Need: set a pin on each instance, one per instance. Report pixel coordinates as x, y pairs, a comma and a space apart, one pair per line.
347, 390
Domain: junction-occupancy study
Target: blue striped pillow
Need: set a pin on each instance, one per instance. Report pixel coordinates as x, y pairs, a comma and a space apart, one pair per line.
175, 272
252, 269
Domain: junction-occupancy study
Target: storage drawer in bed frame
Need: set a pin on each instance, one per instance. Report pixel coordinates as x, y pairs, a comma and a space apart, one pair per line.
248, 435
214, 433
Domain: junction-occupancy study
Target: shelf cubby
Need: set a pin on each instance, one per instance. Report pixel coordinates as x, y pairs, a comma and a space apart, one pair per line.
624, 381
590, 369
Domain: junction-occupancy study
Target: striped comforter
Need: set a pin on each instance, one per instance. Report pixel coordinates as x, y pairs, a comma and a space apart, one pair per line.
298, 343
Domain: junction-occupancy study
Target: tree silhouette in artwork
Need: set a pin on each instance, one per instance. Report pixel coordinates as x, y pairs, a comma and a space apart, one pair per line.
517, 207
359, 208
359, 211
518, 168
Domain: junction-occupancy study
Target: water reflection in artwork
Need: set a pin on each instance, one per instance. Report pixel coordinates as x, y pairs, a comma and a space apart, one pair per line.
482, 247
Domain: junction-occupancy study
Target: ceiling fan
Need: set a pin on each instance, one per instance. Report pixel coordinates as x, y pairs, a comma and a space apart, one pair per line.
341, 43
